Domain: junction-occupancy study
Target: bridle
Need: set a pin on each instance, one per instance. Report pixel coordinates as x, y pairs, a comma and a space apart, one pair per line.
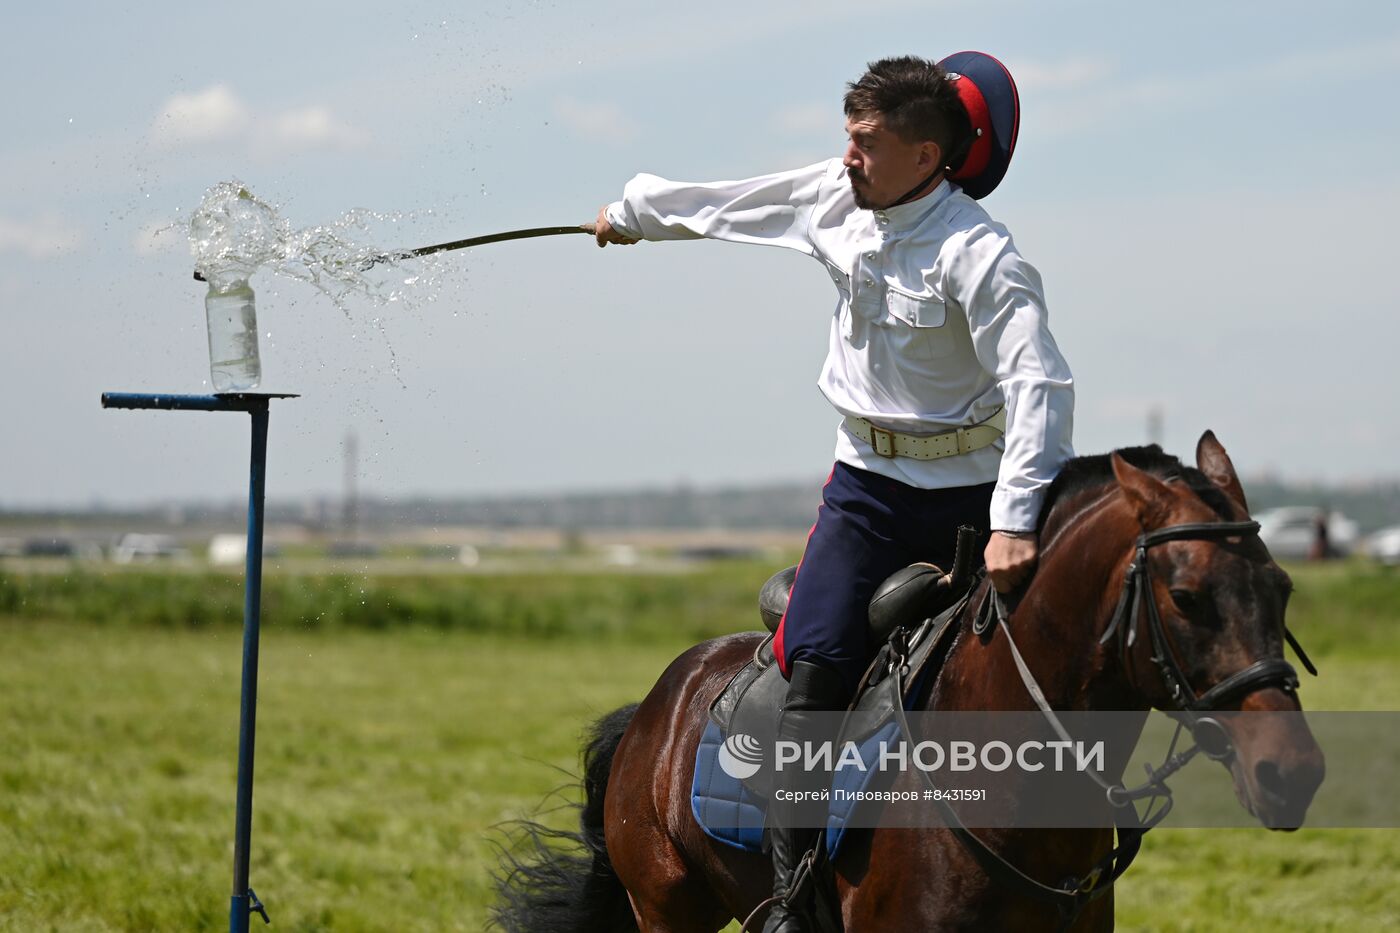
1073, 894
1209, 736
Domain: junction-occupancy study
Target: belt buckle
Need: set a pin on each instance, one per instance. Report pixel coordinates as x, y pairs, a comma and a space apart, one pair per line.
877, 435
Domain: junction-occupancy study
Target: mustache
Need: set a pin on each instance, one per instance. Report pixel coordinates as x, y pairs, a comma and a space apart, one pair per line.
856, 175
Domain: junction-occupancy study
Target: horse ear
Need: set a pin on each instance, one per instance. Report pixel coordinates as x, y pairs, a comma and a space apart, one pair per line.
1215, 463
1147, 494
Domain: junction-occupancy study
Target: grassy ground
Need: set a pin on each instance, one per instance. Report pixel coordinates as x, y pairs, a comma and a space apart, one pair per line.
691, 602
385, 757
382, 762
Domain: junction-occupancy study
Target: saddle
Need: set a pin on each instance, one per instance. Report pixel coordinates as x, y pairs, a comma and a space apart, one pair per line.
909, 615
901, 605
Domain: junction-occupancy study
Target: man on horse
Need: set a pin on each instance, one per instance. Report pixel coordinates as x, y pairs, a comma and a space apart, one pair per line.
957, 405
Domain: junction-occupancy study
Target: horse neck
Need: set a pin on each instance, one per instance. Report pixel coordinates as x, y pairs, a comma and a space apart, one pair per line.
1086, 546
1056, 626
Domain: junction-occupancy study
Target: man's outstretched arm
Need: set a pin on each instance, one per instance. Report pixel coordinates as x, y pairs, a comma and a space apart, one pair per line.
768, 210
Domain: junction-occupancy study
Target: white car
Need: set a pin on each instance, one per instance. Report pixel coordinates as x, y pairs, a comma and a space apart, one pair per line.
1384, 545
1289, 531
143, 549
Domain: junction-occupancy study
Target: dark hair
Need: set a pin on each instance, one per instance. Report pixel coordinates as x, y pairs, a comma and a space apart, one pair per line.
917, 101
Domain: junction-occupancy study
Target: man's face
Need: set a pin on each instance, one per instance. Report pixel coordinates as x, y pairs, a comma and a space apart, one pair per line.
882, 167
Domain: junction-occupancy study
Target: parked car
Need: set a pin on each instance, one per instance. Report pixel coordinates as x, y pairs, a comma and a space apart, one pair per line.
1384, 546
143, 549
49, 547
1290, 531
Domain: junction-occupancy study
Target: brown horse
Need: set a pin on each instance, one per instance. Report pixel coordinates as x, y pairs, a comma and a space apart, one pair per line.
1218, 598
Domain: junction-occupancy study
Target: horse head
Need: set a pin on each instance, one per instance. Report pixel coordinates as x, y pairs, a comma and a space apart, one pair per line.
1212, 601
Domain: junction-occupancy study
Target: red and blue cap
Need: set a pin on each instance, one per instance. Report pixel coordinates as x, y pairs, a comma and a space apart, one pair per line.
994, 107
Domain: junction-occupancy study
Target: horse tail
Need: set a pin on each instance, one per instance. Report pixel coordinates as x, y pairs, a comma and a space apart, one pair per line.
570, 888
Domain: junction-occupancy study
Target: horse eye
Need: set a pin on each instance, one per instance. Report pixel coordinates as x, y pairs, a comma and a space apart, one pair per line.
1185, 601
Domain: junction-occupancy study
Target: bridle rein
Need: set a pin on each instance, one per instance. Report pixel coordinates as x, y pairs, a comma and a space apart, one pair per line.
1209, 737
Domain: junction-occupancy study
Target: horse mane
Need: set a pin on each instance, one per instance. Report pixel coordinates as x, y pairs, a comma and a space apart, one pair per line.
1094, 473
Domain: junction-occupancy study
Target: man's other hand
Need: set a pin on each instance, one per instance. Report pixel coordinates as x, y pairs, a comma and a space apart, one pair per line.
605, 233
1010, 558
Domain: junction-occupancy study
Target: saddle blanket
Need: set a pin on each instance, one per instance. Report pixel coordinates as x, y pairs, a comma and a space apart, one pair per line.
727, 807
731, 813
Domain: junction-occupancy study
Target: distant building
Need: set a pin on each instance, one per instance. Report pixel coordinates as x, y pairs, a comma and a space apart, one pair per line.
232, 550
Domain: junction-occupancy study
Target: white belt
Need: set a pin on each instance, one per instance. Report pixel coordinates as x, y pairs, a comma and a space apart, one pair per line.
929, 446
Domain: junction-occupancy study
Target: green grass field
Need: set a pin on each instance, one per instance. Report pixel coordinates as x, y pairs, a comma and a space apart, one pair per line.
387, 751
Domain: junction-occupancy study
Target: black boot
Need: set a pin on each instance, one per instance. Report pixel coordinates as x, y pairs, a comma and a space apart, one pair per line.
794, 828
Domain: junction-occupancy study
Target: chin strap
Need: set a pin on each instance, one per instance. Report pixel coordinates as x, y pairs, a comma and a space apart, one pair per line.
918, 189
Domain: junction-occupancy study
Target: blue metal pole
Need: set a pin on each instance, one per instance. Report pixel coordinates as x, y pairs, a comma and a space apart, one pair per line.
244, 900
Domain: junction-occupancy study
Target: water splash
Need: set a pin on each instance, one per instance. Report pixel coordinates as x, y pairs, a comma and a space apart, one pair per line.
233, 233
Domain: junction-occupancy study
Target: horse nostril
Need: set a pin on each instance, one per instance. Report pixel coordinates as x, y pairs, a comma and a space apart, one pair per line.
1271, 779
1285, 792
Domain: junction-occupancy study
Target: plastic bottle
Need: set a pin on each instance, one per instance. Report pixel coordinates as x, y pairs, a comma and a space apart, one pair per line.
234, 365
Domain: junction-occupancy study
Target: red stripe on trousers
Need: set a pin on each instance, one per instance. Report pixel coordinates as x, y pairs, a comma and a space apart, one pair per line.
778, 637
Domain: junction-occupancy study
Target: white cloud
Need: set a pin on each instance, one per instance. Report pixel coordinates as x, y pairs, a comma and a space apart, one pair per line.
1364, 58
213, 115
600, 121
314, 128
42, 237
1088, 92
1074, 93
218, 115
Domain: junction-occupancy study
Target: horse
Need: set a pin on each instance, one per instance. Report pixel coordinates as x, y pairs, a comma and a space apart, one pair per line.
1211, 591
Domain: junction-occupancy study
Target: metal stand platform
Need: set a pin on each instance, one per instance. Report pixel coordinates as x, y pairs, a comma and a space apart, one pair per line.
245, 902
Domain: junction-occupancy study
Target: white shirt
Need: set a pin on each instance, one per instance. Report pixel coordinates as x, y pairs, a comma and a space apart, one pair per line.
939, 320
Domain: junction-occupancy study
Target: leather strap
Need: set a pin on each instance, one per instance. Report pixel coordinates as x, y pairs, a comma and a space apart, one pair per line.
1268, 672
892, 444
918, 190
1070, 896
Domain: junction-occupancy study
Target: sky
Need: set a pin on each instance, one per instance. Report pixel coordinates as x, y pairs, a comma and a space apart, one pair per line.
1207, 188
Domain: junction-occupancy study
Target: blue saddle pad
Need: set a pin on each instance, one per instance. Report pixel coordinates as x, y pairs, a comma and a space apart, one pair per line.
725, 809
729, 812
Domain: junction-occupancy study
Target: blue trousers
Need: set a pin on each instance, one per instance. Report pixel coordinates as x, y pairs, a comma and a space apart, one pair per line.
868, 526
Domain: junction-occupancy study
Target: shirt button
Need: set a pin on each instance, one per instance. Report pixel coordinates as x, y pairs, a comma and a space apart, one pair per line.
869, 280
869, 255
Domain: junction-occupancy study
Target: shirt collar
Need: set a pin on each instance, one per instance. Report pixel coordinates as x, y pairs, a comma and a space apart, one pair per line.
910, 214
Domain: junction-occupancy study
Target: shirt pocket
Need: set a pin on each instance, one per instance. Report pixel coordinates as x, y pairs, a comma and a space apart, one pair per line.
919, 325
